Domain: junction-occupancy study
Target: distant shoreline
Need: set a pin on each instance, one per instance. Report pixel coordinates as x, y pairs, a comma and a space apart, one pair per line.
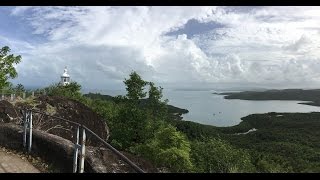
311, 96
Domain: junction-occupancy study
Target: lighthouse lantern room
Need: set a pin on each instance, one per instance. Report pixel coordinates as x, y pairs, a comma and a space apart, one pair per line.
65, 77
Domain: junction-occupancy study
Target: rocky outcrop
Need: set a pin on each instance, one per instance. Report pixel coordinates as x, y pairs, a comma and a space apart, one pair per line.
61, 107
105, 161
8, 113
52, 148
53, 139
59, 152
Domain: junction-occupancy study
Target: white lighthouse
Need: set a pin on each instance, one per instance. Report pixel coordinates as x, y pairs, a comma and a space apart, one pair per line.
65, 77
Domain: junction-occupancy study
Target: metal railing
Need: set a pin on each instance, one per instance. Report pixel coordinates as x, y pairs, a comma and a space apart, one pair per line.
79, 149
11, 95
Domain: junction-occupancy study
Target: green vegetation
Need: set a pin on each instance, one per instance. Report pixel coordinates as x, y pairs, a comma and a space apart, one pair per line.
171, 109
19, 88
135, 86
71, 90
141, 127
291, 139
215, 155
7, 69
99, 96
168, 148
141, 123
312, 95
283, 142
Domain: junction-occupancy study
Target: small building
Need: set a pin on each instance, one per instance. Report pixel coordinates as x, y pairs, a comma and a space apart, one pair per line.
65, 77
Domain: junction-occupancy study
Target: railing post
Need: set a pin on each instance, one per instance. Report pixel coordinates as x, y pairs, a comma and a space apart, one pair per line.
11, 97
25, 114
24, 95
30, 131
83, 150
76, 150
32, 93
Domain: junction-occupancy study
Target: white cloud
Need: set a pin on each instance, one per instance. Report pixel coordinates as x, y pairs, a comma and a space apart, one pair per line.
101, 45
20, 10
298, 44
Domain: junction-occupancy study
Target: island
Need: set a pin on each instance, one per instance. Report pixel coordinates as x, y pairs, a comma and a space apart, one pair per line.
312, 96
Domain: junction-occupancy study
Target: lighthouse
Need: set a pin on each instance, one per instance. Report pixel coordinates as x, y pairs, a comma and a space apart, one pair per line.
65, 77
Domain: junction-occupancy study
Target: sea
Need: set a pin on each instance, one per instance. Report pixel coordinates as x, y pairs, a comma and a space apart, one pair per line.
212, 109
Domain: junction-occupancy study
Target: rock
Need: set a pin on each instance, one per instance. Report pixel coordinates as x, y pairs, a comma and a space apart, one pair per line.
53, 139
59, 151
61, 107
7, 112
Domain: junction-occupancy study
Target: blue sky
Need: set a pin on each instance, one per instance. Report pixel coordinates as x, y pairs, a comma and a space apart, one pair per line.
172, 46
14, 27
194, 27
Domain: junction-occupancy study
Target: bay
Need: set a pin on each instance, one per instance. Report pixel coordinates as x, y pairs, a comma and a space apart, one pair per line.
212, 109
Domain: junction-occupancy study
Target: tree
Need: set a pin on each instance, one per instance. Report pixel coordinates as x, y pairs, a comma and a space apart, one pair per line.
168, 149
130, 126
217, 156
158, 108
7, 69
135, 86
139, 127
19, 88
71, 90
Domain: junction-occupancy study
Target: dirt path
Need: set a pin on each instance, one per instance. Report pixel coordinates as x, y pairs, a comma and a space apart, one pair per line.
11, 163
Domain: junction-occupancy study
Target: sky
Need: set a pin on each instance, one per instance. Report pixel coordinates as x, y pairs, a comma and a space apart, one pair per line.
175, 47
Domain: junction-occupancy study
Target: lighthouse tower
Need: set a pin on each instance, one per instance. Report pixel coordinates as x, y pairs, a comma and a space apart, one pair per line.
65, 77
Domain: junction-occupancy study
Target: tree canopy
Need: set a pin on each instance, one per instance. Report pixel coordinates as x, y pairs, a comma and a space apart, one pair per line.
135, 86
7, 69
140, 124
71, 90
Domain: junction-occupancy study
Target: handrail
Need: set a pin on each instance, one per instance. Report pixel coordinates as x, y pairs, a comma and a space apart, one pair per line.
60, 118
123, 157
119, 154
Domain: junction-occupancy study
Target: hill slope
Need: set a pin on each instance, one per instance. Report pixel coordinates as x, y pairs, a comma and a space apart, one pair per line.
312, 95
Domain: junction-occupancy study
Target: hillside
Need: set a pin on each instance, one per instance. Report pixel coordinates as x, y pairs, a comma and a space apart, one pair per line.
282, 142
312, 95
171, 109
276, 142
272, 142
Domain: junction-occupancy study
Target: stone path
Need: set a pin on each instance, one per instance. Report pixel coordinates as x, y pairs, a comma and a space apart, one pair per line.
10, 163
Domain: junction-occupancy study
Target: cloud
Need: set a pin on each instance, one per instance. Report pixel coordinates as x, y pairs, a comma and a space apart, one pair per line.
102, 45
20, 10
193, 27
298, 45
